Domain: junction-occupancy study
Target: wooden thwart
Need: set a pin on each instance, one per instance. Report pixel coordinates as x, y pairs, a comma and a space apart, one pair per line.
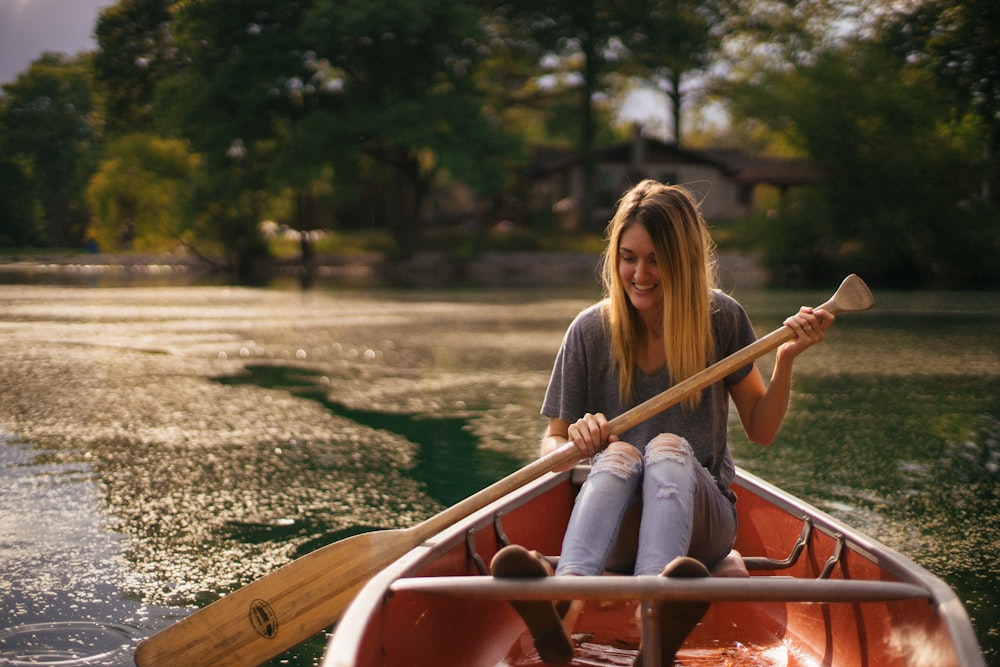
722, 589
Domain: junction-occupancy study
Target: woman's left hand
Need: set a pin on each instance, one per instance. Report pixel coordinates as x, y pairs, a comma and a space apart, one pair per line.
810, 327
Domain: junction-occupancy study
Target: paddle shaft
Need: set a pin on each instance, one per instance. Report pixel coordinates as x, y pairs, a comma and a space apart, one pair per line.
284, 608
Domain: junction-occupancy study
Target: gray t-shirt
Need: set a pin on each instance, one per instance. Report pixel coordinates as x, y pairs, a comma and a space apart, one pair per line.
584, 380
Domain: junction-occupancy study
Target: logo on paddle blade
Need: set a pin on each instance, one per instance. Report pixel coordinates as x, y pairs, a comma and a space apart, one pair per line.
263, 619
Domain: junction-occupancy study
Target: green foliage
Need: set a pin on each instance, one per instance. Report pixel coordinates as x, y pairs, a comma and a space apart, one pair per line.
671, 40
236, 101
586, 52
20, 222
140, 194
244, 73
409, 108
47, 125
898, 171
958, 43
136, 53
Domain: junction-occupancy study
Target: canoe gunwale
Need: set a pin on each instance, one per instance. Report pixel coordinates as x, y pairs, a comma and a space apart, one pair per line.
942, 596
865, 546
341, 650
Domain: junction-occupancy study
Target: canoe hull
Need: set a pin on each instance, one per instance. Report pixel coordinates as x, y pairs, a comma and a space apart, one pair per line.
409, 626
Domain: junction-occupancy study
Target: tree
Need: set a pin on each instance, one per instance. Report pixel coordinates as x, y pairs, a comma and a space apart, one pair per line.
241, 86
409, 109
47, 126
583, 37
959, 42
669, 40
592, 45
897, 171
135, 52
141, 195
20, 224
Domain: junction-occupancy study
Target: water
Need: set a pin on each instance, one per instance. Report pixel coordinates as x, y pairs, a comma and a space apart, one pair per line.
163, 445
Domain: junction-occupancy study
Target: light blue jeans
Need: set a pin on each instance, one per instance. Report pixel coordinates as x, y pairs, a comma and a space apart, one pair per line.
683, 512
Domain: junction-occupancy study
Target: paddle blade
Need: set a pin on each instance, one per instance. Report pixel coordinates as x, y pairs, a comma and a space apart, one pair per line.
853, 296
274, 613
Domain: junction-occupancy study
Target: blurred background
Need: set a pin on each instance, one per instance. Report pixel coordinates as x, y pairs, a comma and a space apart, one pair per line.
823, 137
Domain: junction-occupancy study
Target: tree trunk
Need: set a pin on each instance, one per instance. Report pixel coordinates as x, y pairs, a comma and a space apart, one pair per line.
404, 218
675, 105
587, 158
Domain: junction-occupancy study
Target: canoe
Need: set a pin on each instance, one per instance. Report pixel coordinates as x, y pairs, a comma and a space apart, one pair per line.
817, 593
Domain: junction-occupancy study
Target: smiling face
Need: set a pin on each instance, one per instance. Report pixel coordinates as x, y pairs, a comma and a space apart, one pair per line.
639, 272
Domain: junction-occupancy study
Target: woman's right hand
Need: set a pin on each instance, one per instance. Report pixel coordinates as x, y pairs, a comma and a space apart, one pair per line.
591, 433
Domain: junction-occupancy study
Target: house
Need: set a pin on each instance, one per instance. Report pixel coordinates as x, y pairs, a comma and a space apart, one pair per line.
726, 181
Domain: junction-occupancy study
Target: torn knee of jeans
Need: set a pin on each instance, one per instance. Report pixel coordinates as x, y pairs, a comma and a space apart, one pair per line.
668, 447
619, 459
668, 491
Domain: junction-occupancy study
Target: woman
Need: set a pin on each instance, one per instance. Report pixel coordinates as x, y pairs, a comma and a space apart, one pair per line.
662, 321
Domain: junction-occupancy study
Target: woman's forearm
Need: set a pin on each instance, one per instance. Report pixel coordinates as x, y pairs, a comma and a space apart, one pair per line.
770, 411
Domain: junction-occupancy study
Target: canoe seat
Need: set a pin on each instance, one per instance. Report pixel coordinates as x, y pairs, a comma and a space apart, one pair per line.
731, 566
622, 557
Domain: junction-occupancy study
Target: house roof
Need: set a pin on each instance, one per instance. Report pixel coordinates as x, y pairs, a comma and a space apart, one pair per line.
745, 168
749, 169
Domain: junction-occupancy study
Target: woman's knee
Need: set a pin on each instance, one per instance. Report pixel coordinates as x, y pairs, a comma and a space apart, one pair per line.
668, 447
619, 459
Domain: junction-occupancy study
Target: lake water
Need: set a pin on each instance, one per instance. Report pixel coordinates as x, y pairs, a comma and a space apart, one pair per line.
161, 445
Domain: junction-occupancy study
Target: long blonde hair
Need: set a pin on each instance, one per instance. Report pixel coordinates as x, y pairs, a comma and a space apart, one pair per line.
685, 258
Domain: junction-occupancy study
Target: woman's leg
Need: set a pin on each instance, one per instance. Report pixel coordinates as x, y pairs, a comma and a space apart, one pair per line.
683, 512
610, 489
714, 529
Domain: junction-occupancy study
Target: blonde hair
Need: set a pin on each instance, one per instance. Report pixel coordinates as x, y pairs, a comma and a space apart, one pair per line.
685, 257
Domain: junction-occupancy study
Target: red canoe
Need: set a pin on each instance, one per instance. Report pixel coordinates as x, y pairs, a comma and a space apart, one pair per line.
819, 593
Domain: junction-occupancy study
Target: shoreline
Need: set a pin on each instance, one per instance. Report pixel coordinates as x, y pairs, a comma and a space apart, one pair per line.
426, 269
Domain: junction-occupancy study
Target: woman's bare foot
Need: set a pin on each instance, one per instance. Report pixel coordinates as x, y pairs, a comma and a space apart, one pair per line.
677, 619
551, 639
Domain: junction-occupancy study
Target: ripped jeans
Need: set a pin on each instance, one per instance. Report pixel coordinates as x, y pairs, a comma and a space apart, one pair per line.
683, 512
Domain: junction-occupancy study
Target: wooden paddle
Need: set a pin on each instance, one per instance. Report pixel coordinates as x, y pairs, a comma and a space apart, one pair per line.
284, 608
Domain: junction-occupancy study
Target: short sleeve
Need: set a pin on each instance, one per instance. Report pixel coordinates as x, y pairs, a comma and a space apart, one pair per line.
567, 394
733, 332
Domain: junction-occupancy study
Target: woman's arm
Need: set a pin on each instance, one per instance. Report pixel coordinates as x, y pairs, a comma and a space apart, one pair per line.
762, 409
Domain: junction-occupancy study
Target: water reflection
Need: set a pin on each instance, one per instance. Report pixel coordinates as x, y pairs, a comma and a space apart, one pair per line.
445, 444
166, 445
68, 644
63, 578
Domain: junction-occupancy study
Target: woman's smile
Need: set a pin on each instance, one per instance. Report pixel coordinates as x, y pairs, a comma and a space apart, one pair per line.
638, 270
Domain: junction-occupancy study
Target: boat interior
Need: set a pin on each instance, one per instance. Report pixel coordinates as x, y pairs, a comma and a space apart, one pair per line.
804, 590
